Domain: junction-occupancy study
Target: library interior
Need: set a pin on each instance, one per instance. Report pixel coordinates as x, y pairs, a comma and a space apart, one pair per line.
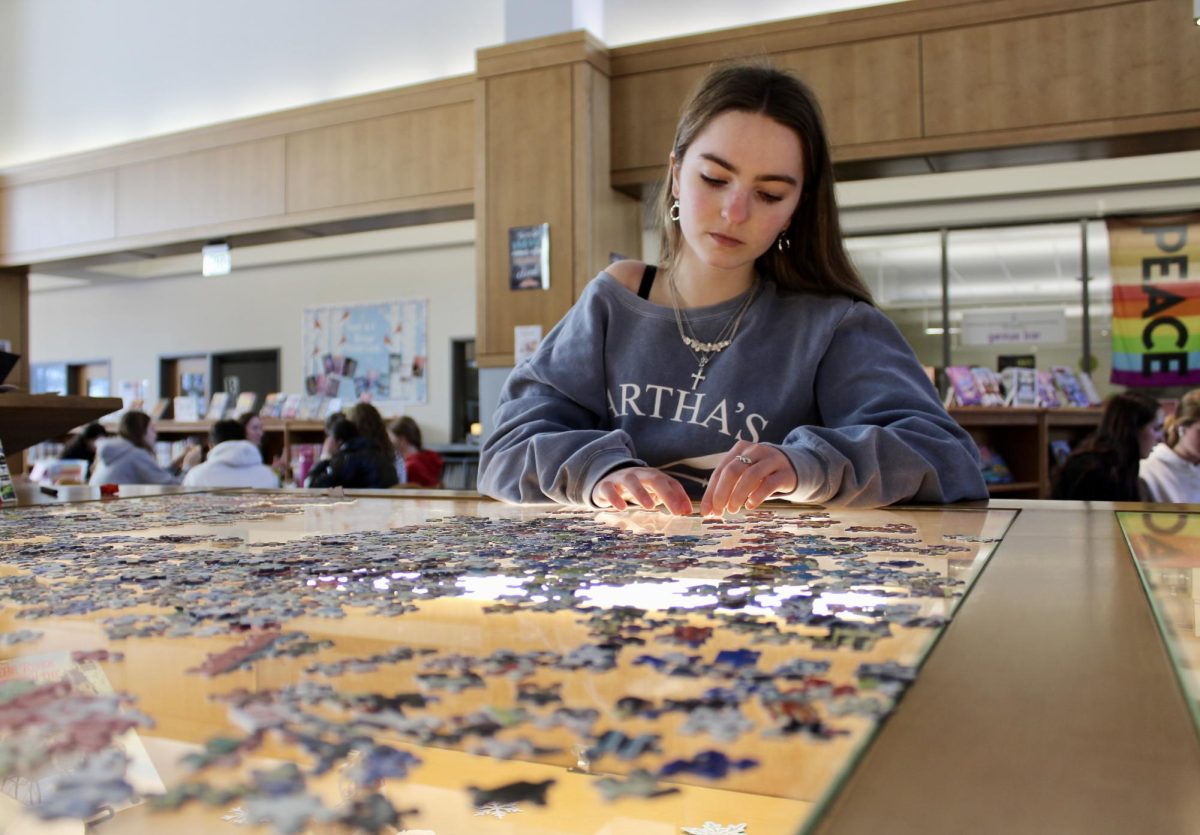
583, 417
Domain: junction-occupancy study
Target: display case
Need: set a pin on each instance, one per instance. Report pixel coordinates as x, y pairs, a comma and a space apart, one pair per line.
361, 661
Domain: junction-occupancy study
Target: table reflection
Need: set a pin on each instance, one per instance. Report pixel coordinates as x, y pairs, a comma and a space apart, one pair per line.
1166, 550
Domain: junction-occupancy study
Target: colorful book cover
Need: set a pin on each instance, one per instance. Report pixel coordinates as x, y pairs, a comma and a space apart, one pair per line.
1089, 389
988, 384
1020, 386
994, 467
273, 405
1068, 384
291, 405
1047, 391
966, 392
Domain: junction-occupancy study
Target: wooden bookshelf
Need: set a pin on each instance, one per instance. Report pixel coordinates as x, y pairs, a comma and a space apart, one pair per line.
1022, 435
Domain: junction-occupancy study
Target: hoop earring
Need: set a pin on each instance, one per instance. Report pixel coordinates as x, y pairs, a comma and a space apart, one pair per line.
673, 212
783, 242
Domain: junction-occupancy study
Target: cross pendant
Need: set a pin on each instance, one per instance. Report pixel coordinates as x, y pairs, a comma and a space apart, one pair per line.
698, 376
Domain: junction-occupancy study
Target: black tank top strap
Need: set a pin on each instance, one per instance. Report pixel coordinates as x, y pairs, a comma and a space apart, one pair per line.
647, 281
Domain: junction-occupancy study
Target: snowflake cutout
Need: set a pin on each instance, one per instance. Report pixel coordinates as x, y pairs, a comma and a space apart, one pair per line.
711, 828
497, 810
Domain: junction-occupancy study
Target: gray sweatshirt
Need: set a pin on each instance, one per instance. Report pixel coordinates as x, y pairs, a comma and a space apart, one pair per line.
120, 462
828, 380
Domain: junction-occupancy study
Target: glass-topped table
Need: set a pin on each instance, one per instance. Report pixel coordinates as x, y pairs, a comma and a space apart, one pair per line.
454, 666
1166, 549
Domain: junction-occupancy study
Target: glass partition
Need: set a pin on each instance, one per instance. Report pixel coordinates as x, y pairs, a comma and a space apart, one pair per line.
904, 273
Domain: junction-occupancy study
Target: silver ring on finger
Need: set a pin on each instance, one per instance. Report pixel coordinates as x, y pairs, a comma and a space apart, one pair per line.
745, 459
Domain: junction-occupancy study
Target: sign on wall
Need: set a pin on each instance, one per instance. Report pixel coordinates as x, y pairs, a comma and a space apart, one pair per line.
376, 350
1039, 325
1156, 300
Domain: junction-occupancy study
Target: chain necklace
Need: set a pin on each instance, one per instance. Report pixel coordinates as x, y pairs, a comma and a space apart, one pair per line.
705, 351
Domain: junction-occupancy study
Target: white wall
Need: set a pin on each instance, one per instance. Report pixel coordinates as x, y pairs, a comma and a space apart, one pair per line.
83, 74
79, 74
132, 323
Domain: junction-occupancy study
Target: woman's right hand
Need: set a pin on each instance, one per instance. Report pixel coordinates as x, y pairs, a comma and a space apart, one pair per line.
645, 487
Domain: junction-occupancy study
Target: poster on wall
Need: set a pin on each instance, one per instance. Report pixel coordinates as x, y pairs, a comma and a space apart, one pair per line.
1156, 300
367, 351
529, 257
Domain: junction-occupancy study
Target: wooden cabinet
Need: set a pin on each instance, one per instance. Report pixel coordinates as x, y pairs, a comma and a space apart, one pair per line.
1022, 437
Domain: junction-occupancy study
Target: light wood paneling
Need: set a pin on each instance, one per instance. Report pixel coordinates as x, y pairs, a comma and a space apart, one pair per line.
606, 221
528, 171
72, 210
420, 152
231, 183
1137, 59
339, 111
540, 53
870, 92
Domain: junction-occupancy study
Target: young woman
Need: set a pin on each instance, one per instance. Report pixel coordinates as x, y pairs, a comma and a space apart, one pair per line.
750, 363
129, 457
1171, 473
1104, 468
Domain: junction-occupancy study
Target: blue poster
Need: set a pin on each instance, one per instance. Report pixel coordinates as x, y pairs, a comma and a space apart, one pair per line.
367, 351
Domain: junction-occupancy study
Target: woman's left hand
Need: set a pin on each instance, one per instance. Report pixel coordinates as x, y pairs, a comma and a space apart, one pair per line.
735, 483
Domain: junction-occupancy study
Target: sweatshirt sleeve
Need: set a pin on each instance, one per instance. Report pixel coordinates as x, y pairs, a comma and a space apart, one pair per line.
884, 435
147, 471
551, 441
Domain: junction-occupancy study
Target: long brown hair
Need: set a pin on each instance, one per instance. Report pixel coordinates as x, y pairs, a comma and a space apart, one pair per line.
133, 428
816, 260
370, 426
1117, 435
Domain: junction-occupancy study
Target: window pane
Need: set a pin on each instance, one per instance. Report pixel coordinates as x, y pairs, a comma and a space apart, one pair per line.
904, 273
1029, 275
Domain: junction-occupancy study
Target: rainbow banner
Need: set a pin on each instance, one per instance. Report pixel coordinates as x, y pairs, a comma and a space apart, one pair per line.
1156, 300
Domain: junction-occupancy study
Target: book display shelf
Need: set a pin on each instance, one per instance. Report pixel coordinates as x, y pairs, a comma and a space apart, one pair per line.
1022, 436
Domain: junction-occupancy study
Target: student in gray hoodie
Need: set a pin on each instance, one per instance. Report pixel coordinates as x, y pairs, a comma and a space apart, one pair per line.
129, 457
751, 364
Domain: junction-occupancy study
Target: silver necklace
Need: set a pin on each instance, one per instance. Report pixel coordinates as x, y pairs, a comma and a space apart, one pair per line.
705, 351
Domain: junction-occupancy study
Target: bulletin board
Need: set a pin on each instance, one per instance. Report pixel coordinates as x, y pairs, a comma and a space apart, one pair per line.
371, 350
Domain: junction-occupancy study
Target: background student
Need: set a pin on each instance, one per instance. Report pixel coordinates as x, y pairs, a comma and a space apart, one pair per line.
129, 458
422, 466
1104, 467
233, 461
1171, 473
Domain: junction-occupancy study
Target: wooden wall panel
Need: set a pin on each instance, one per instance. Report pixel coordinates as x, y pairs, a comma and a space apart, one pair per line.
870, 92
14, 320
607, 222
1137, 59
421, 152
528, 170
71, 210
230, 183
